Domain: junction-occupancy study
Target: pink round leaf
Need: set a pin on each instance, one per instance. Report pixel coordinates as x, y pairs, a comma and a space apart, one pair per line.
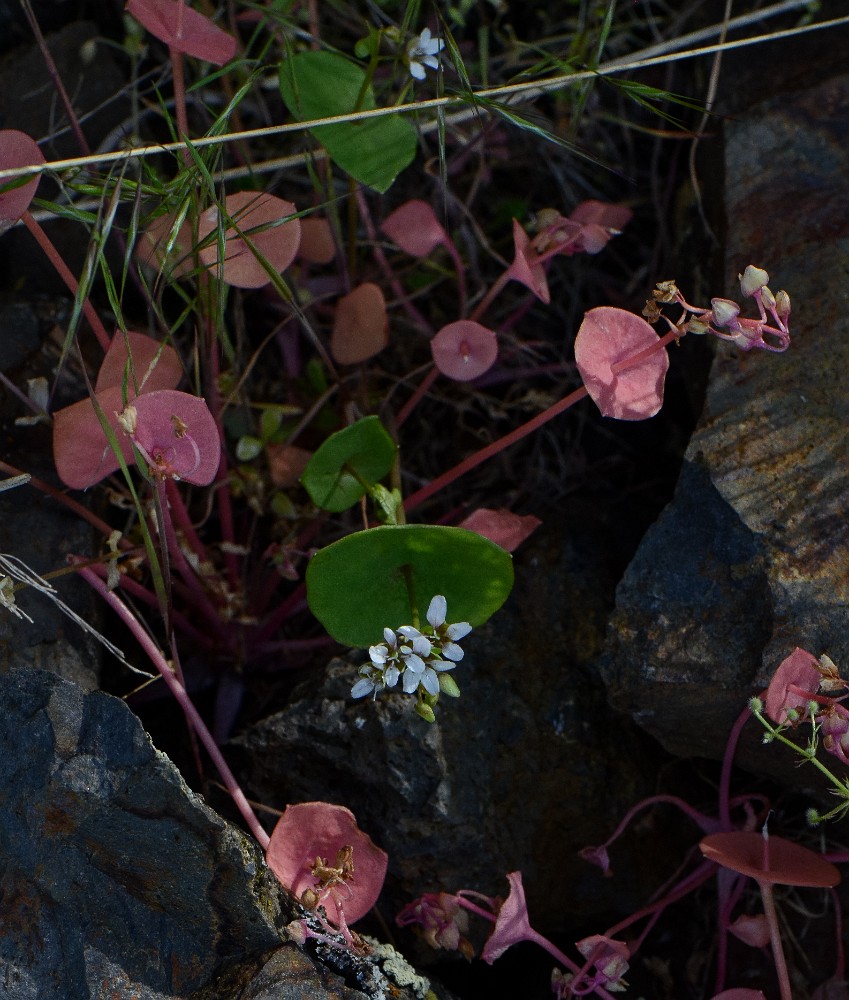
154, 365
415, 228
186, 30
503, 527
81, 450
311, 830
751, 928
799, 671
608, 336
317, 245
464, 350
176, 434
156, 249
360, 327
512, 923
17, 149
258, 218
523, 268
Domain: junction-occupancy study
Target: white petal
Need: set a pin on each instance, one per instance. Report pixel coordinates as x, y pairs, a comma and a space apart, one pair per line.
363, 687
430, 682
452, 651
458, 631
411, 681
391, 675
441, 664
414, 663
431, 62
437, 610
390, 637
417, 71
378, 654
421, 646
424, 38
409, 632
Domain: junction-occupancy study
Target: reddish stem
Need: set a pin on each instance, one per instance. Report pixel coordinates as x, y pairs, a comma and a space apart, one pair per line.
418, 395
64, 273
493, 449
775, 938
182, 697
637, 359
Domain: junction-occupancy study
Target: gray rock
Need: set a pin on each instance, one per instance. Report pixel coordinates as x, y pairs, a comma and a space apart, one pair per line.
116, 881
749, 561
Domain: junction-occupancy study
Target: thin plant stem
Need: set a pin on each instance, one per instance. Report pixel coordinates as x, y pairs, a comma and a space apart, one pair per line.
778, 958
64, 273
184, 701
418, 395
435, 485
637, 359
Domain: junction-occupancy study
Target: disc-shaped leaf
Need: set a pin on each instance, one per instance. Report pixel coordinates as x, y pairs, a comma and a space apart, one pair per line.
360, 454
257, 217
154, 365
415, 228
358, 586
464, 350
177, 435
17, 149
184, 29
374, 151
608, 336
360, 327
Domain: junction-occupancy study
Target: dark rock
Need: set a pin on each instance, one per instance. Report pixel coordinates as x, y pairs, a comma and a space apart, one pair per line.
117, 881
750, 559
19, 334
528, 767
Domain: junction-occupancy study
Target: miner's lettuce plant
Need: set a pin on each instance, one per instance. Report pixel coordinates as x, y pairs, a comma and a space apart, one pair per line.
250, 510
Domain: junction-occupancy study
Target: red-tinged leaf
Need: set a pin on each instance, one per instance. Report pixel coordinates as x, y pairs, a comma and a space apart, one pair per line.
739, 993
319, 829
751, 928
799, 670
154, 365
360, 327
286, 463
523, 269
256, 216
17, 149
184, 29
464, 350
177, 435
81, 450
415, 228
607, 336
592, 239
503, 527
317, 244
154, 241
512, 924
600, 213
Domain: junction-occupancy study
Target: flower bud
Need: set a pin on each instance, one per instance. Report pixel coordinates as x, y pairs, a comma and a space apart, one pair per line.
753, 279
697, 326
666, 291
782, 304
725, 312
767, 298
128, 419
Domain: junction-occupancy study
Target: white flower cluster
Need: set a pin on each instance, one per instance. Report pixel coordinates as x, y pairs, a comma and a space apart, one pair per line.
417, 658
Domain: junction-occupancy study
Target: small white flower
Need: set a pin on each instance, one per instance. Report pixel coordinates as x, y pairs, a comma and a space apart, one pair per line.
424, 52
378, 654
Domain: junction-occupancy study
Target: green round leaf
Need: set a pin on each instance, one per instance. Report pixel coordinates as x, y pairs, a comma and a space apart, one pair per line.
363, 450
358, 585
374, 151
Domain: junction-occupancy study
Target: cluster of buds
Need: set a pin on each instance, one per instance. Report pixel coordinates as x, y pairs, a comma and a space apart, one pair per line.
723, 318
419, 659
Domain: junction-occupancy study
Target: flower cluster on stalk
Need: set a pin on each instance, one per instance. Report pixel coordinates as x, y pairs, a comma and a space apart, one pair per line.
724, 314
419, 659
